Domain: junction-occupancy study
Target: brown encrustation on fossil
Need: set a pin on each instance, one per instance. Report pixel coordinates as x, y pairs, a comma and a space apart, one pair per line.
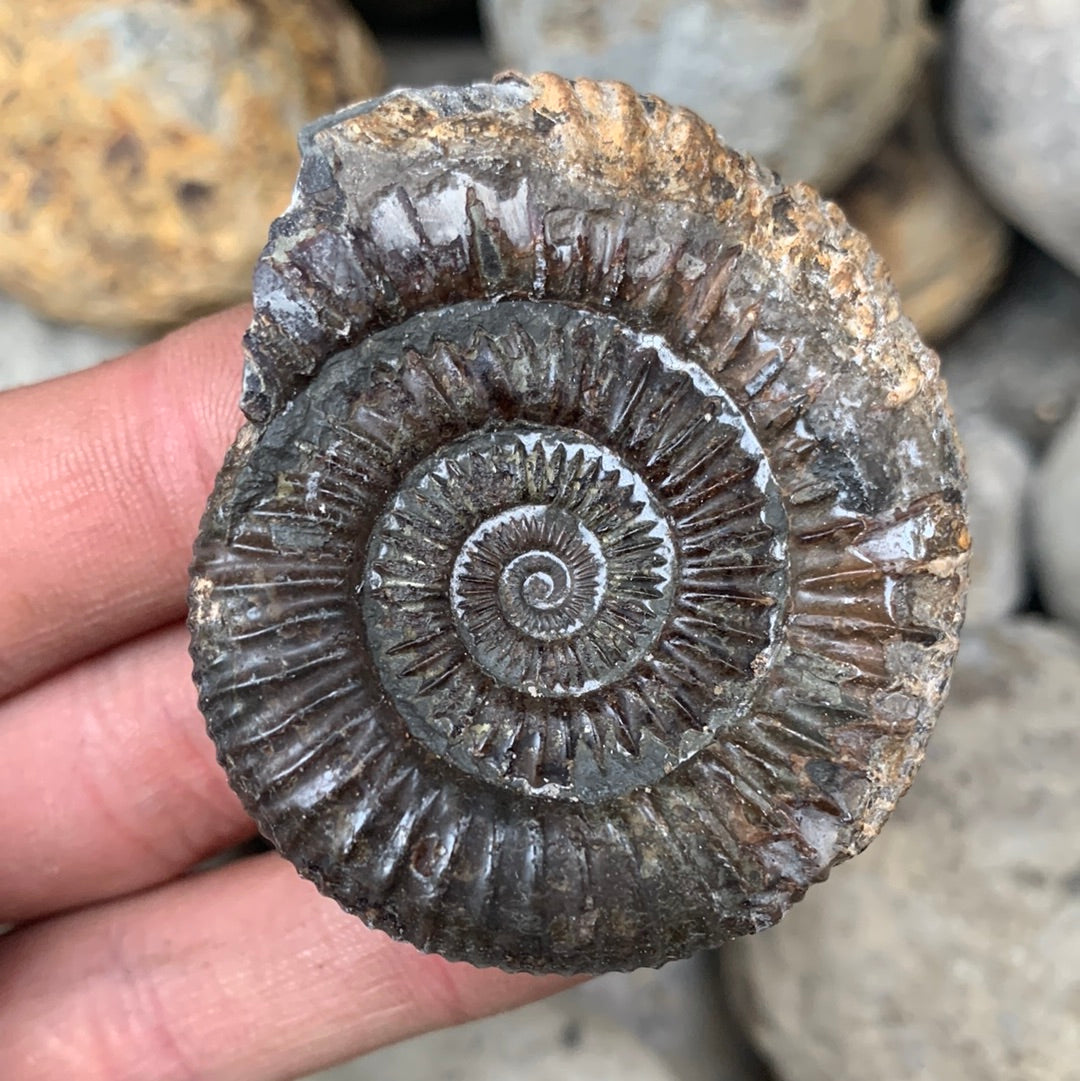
587, 580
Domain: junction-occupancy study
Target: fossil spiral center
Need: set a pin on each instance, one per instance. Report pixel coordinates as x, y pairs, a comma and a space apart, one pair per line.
568, 583
543, 592
538, 587
546, 592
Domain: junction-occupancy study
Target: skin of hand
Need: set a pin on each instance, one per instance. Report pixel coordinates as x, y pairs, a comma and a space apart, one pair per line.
122, 966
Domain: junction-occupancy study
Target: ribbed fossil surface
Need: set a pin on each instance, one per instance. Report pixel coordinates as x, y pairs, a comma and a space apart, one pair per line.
586, 582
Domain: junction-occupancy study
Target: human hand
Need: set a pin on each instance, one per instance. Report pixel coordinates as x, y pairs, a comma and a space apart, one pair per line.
109, 792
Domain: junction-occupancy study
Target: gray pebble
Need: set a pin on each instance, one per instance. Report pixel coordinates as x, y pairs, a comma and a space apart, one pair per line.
999, 474
1057, 524
811, 87
1014, 105
1019, 362
34, 349
679, 1012
542, 1042
670, 1023
950, 950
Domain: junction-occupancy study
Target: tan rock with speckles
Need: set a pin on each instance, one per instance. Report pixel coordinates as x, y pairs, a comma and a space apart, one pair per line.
146, 144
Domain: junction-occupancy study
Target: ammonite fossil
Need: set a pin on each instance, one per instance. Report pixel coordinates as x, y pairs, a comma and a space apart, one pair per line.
587, 579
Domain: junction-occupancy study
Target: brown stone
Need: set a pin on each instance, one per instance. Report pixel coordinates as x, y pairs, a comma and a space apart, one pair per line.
145, 145
944, 246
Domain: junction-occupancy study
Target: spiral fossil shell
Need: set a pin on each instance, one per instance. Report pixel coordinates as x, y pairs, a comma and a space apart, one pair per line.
587, 579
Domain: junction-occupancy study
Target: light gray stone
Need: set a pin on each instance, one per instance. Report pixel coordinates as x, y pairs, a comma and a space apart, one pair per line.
33, 349
809, 86
542, 1042
950, 951
999, 477
679, 1011
1014, 105
1057, 524
1019, 362
669, 1023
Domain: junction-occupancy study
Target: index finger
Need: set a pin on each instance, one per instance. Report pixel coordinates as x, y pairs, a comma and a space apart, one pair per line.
104, 475
237, 974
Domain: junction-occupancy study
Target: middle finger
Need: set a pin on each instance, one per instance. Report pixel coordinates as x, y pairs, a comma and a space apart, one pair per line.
108, 780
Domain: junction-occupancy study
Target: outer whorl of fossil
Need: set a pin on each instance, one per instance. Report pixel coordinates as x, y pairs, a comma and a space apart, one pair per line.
586, 582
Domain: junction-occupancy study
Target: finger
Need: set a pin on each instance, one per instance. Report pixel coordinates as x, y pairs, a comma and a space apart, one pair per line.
104, 475
109, 781
239, 974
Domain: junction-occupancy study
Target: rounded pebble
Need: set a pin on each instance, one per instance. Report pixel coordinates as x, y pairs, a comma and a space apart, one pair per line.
1057, 524
811, 87
146, 145
1015, 111
951, 951
944, 246
1019, 361
999, 473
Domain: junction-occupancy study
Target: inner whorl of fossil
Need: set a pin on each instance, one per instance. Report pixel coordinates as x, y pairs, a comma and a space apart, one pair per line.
559, 592
597, 569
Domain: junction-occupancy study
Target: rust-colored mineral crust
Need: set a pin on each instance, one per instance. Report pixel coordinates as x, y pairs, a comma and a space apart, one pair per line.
586, 582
